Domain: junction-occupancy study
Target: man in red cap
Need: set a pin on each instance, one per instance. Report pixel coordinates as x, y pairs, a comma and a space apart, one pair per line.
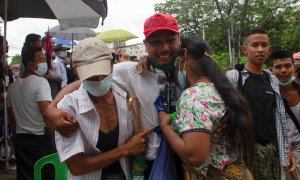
162, 42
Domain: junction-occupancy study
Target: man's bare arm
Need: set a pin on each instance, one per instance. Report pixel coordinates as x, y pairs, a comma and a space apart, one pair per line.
59, 120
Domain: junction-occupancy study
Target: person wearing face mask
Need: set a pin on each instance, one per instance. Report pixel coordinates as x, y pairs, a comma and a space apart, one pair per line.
162, 41
104, 140
27, 99
207, 98
53, 78
59, 63
31, 40
282, 66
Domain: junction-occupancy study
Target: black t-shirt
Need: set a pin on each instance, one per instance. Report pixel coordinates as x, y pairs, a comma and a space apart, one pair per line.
106, 142
258, 90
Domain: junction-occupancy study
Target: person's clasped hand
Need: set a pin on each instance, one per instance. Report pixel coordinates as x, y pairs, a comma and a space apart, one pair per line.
61, 121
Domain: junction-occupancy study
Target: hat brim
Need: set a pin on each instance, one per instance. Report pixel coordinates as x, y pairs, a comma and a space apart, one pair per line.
159, 29
98, 68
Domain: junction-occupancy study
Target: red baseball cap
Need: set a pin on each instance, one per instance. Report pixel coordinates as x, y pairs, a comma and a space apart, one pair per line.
160, 22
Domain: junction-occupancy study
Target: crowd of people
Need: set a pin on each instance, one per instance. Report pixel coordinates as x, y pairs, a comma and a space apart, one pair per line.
237, 124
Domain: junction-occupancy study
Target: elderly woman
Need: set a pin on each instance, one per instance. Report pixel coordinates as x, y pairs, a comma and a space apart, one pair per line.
104, 141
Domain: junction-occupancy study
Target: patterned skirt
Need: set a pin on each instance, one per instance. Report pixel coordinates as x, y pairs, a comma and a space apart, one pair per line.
233, 171
266, 163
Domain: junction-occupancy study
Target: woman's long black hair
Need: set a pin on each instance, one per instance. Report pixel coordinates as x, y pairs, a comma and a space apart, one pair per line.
239, 130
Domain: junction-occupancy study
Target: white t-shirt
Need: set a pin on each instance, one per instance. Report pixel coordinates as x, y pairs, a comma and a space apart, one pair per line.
146, 88
23, 96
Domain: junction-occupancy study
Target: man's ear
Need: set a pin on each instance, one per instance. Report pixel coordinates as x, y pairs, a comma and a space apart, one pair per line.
270, 50
296, 67
183, 52
244, 49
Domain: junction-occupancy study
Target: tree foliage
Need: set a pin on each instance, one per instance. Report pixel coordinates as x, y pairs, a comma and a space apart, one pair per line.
280, 18
16, 59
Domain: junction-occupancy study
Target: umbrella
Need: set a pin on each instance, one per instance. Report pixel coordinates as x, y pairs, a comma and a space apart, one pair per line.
69, 13
77, 33
53, 31
65, 42
116, 35
138, 162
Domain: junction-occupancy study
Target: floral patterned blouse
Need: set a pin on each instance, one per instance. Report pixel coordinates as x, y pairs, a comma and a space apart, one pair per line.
200, 109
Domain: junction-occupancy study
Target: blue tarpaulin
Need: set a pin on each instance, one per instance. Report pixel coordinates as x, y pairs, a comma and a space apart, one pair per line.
65, 42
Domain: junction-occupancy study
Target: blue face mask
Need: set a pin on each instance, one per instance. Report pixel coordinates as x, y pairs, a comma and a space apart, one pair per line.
98, 88
68, 61
53, 54
42, 69
63, 54
288, 82
181, 75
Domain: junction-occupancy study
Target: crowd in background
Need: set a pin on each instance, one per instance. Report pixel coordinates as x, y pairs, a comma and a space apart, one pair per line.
245, 120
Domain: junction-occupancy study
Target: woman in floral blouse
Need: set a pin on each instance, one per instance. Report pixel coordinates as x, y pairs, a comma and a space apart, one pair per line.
208, 99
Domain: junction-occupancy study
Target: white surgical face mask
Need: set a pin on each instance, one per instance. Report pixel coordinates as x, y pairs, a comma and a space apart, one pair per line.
288, 82
98, 88
63, 54
42, 69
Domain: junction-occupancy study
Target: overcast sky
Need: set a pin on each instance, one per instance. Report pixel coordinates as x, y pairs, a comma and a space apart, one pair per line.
122, 14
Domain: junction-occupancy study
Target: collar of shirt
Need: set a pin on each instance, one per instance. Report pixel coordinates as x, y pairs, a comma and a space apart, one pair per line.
59, 59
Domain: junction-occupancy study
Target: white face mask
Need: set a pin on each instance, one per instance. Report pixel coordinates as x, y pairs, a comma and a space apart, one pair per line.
42, 69
98, 88
288, 82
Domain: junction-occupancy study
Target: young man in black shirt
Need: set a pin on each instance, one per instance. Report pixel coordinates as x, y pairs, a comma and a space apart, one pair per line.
262, 90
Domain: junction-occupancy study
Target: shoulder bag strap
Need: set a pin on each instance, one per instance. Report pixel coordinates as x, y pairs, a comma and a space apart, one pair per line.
291, 114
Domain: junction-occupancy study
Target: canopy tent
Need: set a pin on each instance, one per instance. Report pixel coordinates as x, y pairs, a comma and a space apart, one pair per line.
69, 13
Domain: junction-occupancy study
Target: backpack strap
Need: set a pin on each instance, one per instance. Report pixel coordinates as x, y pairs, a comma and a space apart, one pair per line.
239, 68
240, 81
291, 114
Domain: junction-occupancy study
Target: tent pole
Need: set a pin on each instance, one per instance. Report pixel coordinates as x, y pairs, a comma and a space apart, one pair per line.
4, 86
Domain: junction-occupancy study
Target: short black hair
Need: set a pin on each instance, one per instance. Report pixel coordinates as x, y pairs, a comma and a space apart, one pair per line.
254, 31
28, 55
280, 54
